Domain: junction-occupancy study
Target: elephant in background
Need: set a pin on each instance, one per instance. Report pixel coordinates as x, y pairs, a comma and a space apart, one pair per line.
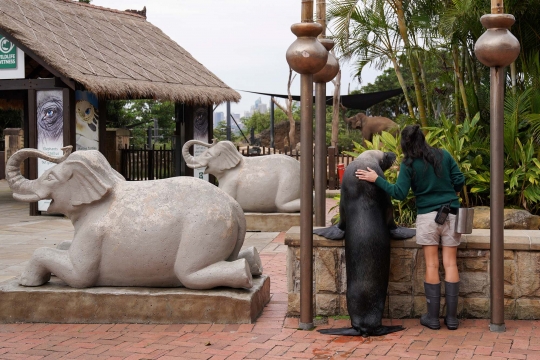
163, 233
370, 125
264, 184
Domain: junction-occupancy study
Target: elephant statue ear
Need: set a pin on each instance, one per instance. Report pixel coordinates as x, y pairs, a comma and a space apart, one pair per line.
229, 156
86, 185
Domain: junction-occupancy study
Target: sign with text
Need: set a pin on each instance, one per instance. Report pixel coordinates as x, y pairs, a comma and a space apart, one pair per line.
87, 121
50, 130
11, 60
200, 132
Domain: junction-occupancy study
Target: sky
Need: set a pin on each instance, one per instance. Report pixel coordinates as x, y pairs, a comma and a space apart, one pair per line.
243, 42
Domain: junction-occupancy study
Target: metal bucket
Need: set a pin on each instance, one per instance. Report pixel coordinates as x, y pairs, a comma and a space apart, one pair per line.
464, 221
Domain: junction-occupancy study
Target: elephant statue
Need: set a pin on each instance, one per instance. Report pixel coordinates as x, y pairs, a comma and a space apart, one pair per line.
264, 184
370, 125
174, 232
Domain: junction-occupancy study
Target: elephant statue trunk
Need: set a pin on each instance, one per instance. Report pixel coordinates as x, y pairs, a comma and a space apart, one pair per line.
191, 161
23, 189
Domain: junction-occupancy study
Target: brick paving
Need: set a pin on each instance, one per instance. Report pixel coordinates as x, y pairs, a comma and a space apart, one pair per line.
273, 336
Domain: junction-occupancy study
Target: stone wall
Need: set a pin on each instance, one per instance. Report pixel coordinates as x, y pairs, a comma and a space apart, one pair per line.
406, 284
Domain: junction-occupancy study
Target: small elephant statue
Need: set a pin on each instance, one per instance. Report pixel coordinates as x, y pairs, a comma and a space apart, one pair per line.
370, 125
264, 184
174, 232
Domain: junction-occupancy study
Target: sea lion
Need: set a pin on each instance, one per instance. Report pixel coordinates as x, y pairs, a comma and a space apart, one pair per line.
366, 218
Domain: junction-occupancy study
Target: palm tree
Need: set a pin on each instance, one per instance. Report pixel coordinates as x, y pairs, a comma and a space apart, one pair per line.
367, 35
376, 32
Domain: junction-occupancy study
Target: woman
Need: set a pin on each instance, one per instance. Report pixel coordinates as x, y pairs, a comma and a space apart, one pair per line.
435, 180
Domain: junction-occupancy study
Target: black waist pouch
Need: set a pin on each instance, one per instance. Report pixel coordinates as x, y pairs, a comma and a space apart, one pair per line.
442, 214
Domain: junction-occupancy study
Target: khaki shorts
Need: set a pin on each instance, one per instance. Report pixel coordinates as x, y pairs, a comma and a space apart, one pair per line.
428, 232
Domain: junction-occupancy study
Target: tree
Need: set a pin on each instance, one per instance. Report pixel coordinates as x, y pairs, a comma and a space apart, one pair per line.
220, 132
376, 33
288, 109
335, 110
85, 1
10, 119
261, 121
138, 115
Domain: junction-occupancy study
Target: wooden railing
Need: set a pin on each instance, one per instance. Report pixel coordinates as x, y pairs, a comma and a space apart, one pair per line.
334, 158
145, 164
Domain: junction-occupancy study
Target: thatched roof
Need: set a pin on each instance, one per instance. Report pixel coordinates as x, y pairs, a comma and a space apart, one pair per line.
115, 54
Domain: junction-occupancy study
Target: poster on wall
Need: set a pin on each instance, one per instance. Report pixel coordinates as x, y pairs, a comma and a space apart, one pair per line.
87, 121
11, 60
200, 132
50, 130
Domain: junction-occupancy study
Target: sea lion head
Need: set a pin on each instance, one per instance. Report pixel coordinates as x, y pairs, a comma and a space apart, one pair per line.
384, 159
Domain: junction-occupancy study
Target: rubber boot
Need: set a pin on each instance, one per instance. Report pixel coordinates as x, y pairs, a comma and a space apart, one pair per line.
433, 299
451, 290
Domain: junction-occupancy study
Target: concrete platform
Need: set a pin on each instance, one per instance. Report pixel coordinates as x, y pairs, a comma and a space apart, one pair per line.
273, 222
56, 302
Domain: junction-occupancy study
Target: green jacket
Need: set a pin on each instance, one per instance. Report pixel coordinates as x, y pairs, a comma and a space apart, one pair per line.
431, 191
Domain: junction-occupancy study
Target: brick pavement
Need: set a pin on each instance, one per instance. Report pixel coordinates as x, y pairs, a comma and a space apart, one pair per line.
273, 336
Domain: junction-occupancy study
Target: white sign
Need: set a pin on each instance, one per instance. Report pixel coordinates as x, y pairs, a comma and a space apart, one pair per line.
50, 130
11, 60
87, 121
200, 132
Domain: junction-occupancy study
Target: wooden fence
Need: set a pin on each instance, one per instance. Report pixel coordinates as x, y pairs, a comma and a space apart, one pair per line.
144, 164
334, 158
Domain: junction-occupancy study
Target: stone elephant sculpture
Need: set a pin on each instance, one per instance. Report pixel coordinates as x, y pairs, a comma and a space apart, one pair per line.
370, 125
162, 233
264, 184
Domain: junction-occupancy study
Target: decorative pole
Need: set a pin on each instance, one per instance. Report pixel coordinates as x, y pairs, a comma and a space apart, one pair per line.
306, 56
321, 78
228, 121
497, 48
272, 111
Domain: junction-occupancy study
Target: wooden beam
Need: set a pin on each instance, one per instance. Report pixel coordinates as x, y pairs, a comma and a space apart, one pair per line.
29, 84
69, 117
31, 133
70, 83
102, 125
35, 72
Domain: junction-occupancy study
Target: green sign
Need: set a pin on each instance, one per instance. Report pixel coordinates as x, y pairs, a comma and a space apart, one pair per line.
8, 54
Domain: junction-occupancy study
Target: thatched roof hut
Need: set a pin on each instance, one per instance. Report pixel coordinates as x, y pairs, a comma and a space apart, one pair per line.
114, 54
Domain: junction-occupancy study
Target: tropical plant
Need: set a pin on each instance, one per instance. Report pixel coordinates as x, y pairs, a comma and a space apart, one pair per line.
467, 145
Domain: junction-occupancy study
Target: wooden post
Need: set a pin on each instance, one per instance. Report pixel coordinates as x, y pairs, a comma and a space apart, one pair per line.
332, 184
497, 6
31, 135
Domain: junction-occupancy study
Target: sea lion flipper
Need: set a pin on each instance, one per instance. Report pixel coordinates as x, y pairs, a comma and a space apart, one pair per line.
384, 330
341, 331
402, 233
380, 331
332, 232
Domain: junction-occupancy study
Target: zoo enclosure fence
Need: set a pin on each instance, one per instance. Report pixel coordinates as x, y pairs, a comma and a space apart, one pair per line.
146, 164
158, 163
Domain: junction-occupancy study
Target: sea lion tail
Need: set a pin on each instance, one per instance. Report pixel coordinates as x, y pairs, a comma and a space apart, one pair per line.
380, 331
384, 330
341, 331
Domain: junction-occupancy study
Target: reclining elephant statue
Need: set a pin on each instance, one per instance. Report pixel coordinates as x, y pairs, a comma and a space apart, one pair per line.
370, 125
174, 232
264, 184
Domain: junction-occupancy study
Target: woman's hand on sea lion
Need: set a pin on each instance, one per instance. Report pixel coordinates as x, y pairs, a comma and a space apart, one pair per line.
367, 175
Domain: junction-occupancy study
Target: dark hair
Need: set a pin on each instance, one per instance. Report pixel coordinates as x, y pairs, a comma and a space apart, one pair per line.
414, 146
